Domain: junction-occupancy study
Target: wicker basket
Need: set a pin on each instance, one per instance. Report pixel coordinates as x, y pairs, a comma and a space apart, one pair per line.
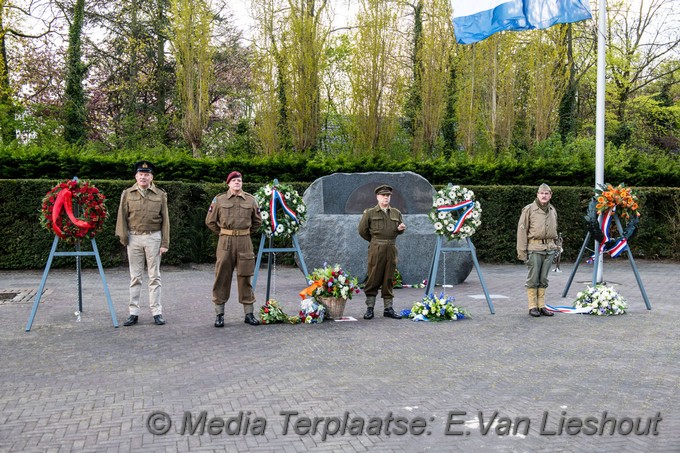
335, 306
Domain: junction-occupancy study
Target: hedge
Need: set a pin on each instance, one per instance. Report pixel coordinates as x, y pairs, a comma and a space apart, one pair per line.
26, 244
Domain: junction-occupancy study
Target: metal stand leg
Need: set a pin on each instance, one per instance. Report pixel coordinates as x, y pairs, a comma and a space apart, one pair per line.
576, 264
434, 268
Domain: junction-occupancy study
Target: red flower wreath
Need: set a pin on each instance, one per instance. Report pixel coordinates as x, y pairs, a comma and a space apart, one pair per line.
59, 218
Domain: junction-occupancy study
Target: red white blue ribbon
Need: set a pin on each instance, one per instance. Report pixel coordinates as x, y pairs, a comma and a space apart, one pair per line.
276, 199
620, 244
572, 310
468, 205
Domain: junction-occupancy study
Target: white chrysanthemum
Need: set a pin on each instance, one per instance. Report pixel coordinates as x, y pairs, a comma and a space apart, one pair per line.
438, 226
439, 202
279, 228
441, 215
267, 190
450, 227
264, 214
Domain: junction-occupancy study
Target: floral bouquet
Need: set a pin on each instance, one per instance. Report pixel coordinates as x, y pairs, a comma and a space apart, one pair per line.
436, 308
602, 300
311, 312
282, 210
331, 281
455, 214
620, 197
272, 313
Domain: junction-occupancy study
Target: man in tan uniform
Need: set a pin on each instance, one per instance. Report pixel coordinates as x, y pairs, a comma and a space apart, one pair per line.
234, 215
380, 226
536, 246
143, 226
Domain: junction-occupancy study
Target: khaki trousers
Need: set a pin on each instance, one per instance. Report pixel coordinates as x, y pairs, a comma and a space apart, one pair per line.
233, 253
539, 264
382, 261
145, 249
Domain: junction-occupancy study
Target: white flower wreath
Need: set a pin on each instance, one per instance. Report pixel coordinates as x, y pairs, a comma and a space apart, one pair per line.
283, 210
455, 213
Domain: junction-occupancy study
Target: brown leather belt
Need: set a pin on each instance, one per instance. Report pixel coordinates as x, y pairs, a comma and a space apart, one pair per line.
384, 241
225, 232
541, 241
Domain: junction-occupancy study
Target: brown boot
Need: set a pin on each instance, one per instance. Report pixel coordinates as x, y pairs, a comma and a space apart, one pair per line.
533, 302
541, 303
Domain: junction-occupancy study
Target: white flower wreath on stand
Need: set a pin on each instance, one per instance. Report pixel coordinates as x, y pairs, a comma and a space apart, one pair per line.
455, 214
275, 197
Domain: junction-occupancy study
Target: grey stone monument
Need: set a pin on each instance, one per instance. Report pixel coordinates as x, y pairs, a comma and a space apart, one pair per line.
335, 204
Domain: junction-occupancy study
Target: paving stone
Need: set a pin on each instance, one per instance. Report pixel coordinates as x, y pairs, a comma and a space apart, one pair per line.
83, 385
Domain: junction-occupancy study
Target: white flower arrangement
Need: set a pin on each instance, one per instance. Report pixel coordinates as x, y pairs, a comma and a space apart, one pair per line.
602, 300
283, 211
455, 214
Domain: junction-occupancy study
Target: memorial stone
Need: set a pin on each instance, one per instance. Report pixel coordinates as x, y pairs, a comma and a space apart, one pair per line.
335, 204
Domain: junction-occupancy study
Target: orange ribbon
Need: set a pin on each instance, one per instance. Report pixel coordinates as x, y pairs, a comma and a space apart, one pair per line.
65, 201
310, 289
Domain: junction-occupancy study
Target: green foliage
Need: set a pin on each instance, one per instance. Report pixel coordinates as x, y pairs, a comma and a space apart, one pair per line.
74, 103
26, 244
570, 164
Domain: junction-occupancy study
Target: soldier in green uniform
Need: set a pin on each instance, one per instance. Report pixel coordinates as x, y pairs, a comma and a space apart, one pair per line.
234, 215
143, 226
536, 236
380, 226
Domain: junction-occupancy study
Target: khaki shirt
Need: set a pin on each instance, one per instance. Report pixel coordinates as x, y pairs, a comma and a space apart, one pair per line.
234, 212
377, 224
143, 214
536, 230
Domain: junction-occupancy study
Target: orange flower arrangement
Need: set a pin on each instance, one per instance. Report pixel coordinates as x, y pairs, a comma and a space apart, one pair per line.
620, 197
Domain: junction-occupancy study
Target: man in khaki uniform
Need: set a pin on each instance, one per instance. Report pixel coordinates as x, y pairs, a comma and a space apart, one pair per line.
536, 246
234, 215
143, 226
380, 226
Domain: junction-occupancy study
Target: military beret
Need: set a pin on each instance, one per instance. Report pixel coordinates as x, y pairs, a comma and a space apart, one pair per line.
383, 190
232, 175
145, 167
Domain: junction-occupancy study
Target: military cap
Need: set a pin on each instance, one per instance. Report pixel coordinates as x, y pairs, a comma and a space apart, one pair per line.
144, 166
383, 189
232, 175
544, 188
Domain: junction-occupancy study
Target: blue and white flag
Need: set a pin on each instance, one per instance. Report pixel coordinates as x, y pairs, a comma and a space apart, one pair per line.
477, 20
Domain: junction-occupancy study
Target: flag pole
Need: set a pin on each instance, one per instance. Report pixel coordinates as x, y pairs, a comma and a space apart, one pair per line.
599, 125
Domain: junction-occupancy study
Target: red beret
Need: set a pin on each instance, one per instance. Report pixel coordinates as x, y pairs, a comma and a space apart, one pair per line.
232, 175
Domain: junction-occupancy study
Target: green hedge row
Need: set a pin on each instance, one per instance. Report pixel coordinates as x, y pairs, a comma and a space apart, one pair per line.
557, 166
25, 244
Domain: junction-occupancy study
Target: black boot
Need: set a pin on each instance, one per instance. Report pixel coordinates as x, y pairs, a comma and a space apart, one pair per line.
390, 313
250, 319
131, 321
219, 320
545, 312
369, 313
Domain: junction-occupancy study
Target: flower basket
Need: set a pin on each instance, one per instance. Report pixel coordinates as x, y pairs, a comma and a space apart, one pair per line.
335, 306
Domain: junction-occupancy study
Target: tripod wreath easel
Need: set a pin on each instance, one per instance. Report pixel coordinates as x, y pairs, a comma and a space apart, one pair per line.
77, 254
275, 199
619, 247
434, 268
455, 215
62, 209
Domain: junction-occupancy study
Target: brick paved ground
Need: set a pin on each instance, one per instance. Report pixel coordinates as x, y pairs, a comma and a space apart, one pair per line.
83, 385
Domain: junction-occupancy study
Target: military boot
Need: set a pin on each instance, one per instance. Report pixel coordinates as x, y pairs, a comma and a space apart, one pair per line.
532, 294
541, 303
370, 303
